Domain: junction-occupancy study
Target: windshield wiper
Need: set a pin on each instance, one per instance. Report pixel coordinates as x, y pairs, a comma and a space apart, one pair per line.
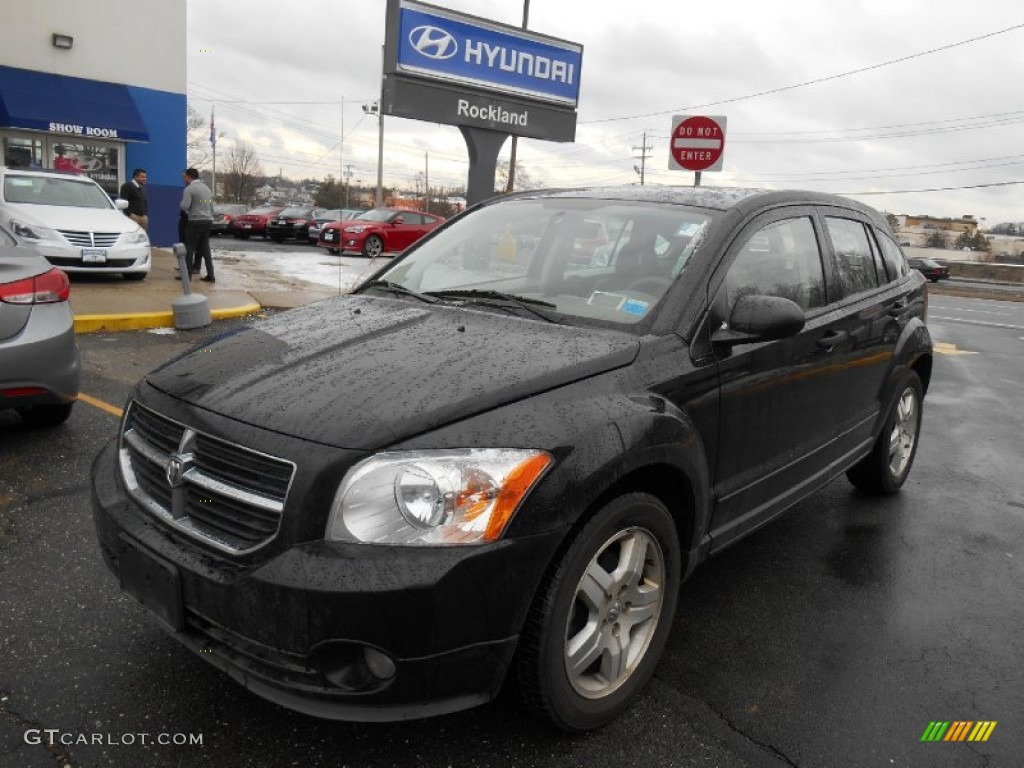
393, 287
499, 299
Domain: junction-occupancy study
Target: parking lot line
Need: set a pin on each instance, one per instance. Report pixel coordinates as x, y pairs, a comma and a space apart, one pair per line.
113, 410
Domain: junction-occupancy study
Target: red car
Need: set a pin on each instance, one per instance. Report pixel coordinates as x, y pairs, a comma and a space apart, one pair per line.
254, 222
378, 230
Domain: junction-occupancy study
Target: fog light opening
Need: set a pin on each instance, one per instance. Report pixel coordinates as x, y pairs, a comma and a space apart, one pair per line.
353, 666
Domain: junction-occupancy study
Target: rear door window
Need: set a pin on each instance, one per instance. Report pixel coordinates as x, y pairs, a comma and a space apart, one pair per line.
855, 262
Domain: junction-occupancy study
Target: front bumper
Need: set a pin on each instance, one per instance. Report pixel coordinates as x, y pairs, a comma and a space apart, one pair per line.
295, 629
118, 259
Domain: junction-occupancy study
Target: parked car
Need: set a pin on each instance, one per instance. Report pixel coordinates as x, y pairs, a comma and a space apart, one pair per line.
323, 216
378, 231
930, 269
290, 224
72, 222
502, 464
223, 216
39, 362
254, 222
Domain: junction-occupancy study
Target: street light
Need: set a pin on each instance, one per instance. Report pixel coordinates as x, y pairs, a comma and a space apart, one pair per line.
374, 109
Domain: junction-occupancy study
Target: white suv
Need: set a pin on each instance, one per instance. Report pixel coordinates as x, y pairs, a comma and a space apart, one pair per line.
73, 223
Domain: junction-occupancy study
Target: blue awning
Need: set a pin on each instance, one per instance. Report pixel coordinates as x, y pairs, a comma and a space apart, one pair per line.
39, 101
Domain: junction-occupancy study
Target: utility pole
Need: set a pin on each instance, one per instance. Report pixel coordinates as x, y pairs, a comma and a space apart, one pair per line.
644, 149
348, 176
342, 198
515, 139
426, 180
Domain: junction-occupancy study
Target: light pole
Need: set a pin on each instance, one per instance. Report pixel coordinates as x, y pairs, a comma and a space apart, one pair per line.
374, 109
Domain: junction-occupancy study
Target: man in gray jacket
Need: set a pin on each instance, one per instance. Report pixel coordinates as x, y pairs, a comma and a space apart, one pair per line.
197, 204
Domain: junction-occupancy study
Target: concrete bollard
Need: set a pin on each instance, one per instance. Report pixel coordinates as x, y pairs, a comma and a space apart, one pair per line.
191, 310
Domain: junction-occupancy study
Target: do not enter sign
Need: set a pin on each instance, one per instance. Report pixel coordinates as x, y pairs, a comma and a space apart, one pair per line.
697, 143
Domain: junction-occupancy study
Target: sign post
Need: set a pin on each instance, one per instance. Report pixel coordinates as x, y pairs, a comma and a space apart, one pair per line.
697, 143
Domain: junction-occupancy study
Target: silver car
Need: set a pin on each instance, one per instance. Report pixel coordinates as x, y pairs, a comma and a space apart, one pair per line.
39, 362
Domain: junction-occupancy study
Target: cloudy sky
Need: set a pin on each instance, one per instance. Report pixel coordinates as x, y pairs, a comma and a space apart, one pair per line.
879, 99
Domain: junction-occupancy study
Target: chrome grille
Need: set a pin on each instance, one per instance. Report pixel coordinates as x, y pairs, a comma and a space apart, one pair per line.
90, 239
223, 494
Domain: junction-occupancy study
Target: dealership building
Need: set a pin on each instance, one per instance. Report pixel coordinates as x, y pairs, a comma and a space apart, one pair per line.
99, 93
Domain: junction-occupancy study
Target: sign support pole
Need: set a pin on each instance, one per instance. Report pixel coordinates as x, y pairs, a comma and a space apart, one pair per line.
483, 147
696, 178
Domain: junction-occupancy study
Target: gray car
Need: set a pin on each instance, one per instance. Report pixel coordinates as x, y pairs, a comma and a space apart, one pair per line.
39, 362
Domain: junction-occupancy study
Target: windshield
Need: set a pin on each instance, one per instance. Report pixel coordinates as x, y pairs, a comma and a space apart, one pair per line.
601, 260
48, 190
295, 213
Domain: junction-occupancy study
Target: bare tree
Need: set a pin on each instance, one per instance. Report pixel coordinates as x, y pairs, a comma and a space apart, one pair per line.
522, 180
197, 139
242, 173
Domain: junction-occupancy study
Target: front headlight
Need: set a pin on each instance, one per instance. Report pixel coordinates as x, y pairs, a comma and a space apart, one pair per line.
447, 497
357, 229
32, 231
139, 236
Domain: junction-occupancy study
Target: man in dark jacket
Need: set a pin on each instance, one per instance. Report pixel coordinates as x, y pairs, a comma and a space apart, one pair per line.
134, 191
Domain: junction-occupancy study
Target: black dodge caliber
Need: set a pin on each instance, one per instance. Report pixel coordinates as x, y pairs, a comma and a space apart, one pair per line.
496, 462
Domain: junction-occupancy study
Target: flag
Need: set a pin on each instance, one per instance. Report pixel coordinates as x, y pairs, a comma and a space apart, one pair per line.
213, 133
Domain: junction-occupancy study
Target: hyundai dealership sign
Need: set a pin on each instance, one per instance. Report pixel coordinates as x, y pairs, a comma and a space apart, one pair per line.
437, 43
457, 69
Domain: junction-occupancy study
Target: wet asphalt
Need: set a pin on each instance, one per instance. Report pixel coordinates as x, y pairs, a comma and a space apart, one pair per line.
831, 637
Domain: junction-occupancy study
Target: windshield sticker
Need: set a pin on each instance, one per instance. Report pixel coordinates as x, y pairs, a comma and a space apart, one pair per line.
634, 307
688, 229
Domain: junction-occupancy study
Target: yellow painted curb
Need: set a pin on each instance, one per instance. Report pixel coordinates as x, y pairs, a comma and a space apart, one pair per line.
140, 320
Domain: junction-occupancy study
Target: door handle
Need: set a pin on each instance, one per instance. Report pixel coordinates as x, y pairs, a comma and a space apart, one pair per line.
829, 341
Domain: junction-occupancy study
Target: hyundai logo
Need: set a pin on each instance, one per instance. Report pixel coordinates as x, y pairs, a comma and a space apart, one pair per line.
433, 42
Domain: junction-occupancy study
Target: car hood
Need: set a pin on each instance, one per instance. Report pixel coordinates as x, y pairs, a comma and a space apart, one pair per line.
362, 372
68, 217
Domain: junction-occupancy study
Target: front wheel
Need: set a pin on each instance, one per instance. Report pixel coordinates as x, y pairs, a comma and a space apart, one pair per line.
884, 470
601, 619
373, 247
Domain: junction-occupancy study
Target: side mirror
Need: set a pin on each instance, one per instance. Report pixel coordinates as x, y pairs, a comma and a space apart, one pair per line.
761, 318
121, 203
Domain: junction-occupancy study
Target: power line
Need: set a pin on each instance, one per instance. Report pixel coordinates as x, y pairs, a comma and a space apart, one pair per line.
815, 81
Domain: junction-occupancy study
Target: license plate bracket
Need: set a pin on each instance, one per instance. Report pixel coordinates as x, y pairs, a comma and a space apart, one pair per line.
94, 255
152, 581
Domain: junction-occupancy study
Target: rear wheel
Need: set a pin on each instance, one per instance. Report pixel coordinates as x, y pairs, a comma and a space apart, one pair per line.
45, 415
600, 621
885, 469
373, 247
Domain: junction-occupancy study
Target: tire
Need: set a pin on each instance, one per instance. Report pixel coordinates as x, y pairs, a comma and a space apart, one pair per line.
373, 247
335, 251
884, 470
134, 276
572, 613
45, 415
